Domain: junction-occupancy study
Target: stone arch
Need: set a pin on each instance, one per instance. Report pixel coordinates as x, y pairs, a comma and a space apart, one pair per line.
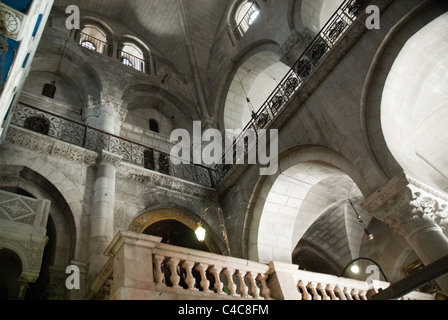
43, 180
395, 110
283, 206
185, 217
163, 105
67, 63
255, 78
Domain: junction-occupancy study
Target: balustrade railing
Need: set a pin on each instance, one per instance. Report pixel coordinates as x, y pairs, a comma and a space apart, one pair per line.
81, 135
209, 273
164, 271
303, 69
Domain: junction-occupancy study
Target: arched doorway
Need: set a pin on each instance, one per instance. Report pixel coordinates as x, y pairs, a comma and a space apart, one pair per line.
175, 227
177, 234
10, 271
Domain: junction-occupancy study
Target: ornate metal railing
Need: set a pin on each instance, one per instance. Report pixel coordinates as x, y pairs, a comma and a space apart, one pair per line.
303, 69
81, 135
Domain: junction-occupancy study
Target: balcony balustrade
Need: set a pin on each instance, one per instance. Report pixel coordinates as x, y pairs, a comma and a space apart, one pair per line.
142, 268
81, 135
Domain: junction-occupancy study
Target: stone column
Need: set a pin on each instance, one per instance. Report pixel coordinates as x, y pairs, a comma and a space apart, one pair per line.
418, 213
105, 113
102, 213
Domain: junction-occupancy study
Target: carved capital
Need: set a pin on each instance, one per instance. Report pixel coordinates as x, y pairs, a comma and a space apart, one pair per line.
409, 206
105, 104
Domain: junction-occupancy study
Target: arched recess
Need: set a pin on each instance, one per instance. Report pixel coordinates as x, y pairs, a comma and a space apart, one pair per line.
151, 101
252, 82
311, 182
10, 271
61, 229
405, 102
316, 13
163, 216
64, 63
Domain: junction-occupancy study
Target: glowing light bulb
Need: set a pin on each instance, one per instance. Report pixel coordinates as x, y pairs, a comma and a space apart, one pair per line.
200, 233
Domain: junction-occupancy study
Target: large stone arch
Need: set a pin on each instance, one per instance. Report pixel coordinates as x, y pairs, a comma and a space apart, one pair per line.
389, 104
44, 180
275, 220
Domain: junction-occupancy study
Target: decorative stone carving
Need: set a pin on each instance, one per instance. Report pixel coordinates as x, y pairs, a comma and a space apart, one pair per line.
27, 140
105, 103
23, 230
110, 158
408, 206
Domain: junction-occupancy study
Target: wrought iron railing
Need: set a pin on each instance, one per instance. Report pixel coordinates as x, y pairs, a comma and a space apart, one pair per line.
134, 62
94, 44
294, 80
81, 135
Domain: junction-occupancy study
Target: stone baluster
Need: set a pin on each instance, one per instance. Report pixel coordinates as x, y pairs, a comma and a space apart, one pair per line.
305, 293
173, 263
190, 280
228, 272
348, 293
363, 295
331, 289
323, 292
159, 276
205, 284
314, 292
264, 286
215, 271
340, 293
243, 287
355, 294
254, 290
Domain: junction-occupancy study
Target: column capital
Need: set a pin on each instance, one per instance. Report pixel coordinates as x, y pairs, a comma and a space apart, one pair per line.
409, 206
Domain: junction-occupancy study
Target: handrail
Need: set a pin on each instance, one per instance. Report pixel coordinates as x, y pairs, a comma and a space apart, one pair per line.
302, 70
137, 63
90, 138
105, 46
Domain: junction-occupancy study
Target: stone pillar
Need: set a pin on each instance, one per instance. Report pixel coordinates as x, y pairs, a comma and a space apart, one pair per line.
418, 213
105, 113
102, 213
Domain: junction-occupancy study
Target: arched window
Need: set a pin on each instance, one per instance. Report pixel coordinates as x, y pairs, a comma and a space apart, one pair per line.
246, 15
131, 55
88, 45
154, 126
94, 38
